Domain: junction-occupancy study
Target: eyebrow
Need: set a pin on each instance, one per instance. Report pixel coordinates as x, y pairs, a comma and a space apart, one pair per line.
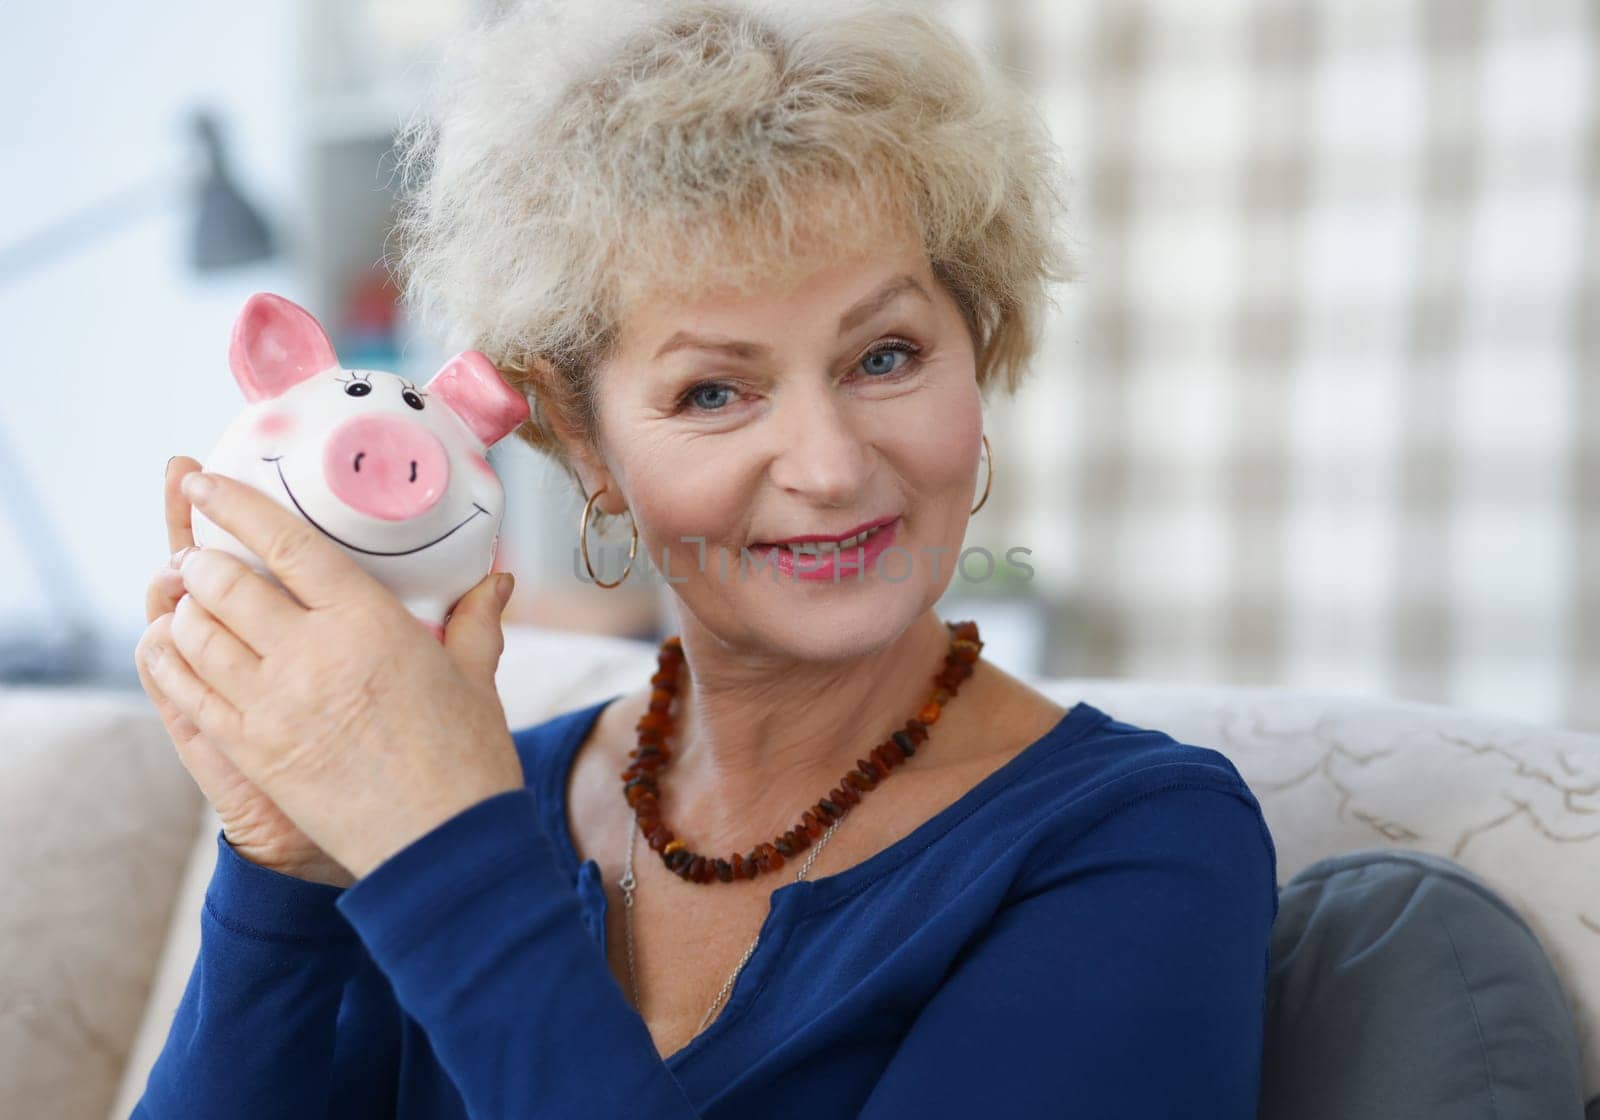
853, 317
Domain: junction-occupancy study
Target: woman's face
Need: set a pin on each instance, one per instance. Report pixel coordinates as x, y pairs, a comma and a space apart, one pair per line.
734, 421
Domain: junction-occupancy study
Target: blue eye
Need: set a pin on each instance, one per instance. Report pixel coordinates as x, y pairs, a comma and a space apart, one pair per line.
898, 346
692, 397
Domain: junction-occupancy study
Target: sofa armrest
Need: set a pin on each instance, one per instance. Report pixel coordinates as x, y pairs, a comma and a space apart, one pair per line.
97, 816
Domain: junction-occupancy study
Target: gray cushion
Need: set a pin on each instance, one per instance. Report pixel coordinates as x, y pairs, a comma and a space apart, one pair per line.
1402, 985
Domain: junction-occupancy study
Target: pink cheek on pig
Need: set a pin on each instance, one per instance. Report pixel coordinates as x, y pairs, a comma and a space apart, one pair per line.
483, 467
275, 426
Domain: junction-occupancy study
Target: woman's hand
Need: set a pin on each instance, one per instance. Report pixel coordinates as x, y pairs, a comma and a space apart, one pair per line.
252, 824
330, 698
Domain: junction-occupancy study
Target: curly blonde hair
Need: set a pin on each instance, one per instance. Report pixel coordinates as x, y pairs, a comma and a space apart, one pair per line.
575, 157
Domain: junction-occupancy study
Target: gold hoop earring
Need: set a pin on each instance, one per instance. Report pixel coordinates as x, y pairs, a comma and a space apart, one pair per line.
989, 457
583, 542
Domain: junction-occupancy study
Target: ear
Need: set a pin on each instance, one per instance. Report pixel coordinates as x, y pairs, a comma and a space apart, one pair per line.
594, 477
586, 462
476, 392
276, 344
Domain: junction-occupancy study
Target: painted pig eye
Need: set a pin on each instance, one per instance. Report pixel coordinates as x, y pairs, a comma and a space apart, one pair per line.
411, 398
358, 388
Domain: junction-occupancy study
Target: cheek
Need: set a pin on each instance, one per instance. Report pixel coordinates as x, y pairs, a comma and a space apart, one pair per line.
689, 499
937, 455
691, 490
481, 465
275, 426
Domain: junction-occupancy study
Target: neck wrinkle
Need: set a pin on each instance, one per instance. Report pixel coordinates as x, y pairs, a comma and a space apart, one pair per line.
756, 745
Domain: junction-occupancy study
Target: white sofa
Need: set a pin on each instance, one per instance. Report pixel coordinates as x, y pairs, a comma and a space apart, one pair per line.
106, 845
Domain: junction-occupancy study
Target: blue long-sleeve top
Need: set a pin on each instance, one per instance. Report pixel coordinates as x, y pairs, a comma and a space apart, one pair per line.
1084, 932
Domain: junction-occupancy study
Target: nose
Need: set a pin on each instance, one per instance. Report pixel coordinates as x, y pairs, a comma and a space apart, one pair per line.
819, 454
384, 466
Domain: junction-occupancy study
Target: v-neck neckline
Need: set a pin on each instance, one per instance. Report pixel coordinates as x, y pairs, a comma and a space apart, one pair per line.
1072, 725
808, 895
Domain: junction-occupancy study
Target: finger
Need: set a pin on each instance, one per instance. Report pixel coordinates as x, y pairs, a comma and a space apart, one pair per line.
215, 717
314, 569
209, 767
179, 726
180, 526
214, 654
474, 636
163, 592
241, 599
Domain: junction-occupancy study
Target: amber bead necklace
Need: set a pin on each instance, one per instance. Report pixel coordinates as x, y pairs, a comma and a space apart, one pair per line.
641, 789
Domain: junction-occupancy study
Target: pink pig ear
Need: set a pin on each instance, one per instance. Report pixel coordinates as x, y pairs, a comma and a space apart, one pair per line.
475, 391
276, 345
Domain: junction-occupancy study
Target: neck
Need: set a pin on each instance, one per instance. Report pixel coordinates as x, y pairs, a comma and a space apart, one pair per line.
758, 740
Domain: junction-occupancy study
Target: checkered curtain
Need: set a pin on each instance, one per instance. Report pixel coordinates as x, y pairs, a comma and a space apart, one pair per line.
1324, 408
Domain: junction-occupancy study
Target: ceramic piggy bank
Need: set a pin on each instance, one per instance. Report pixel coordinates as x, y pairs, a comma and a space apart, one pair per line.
392, 472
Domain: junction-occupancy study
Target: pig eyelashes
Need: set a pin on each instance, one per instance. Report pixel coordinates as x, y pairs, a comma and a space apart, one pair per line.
356, 386
359, 386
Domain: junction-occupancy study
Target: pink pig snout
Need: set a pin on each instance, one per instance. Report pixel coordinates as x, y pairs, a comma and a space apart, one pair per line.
387, 467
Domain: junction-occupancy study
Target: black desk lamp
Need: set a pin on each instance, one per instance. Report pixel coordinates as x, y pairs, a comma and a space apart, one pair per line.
227, 232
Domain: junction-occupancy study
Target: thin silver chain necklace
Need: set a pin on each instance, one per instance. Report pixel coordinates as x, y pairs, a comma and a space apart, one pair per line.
628, 883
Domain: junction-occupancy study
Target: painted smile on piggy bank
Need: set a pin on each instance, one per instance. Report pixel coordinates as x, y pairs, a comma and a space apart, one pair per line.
369, 455
277, 462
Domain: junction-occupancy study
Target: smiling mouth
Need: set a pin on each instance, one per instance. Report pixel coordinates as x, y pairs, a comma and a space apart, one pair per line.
275, 460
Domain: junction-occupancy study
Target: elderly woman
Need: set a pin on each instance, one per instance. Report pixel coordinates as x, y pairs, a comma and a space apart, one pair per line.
755, 268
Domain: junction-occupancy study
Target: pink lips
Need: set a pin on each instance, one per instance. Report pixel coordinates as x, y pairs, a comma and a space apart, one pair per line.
848, 563
822, 539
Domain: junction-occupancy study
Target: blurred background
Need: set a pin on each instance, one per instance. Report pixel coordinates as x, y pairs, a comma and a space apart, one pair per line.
1323, 410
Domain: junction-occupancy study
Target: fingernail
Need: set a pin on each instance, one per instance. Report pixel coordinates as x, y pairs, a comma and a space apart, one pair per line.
177, 557
168, 467
502, 587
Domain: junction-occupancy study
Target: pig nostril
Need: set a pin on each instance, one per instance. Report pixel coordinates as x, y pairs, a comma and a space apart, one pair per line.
413, 470
358, 459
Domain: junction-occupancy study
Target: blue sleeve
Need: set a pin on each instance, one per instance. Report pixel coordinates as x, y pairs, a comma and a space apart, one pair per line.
481, 935
254, 1033
1124, 978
